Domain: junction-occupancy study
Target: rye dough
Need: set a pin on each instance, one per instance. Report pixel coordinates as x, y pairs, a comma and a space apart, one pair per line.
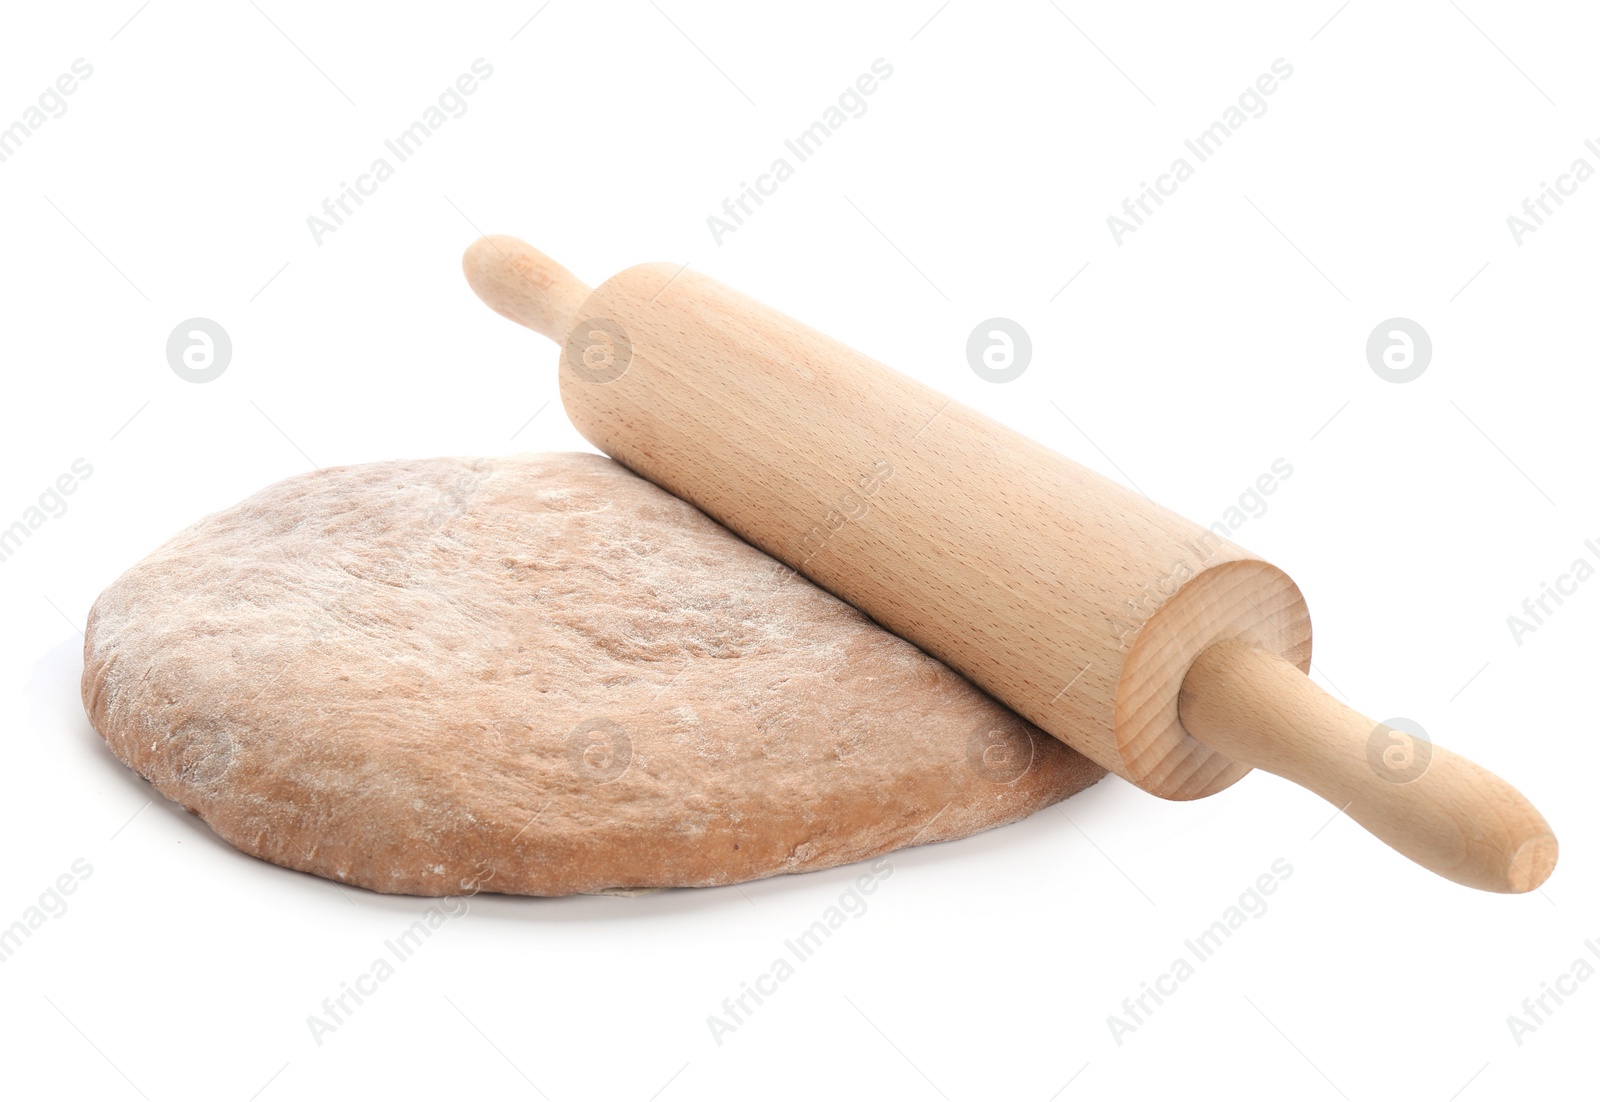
538, 675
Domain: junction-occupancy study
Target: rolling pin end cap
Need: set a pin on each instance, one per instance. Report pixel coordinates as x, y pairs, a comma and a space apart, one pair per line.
1532, 864
519, 282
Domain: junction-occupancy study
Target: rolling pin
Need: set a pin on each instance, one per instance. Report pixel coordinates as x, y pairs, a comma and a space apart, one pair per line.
1168, 655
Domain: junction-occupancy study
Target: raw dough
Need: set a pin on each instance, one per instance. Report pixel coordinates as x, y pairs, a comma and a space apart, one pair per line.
540, 675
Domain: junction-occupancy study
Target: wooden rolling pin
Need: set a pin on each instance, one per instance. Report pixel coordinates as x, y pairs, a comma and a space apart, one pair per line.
1168, 655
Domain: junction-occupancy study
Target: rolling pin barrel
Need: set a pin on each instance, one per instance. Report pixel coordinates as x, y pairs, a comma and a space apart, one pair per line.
1165, 653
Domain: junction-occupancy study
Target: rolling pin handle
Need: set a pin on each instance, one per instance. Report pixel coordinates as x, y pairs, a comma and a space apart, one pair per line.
519, 282
1440, 810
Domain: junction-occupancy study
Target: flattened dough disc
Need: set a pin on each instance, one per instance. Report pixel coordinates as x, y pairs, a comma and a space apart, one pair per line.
539, 675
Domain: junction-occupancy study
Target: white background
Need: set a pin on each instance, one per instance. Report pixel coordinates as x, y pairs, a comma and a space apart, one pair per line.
1227, 332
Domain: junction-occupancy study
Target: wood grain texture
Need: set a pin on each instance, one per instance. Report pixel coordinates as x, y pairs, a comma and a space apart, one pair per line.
1076, 601
1437, 808
1004, 560
524, 285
